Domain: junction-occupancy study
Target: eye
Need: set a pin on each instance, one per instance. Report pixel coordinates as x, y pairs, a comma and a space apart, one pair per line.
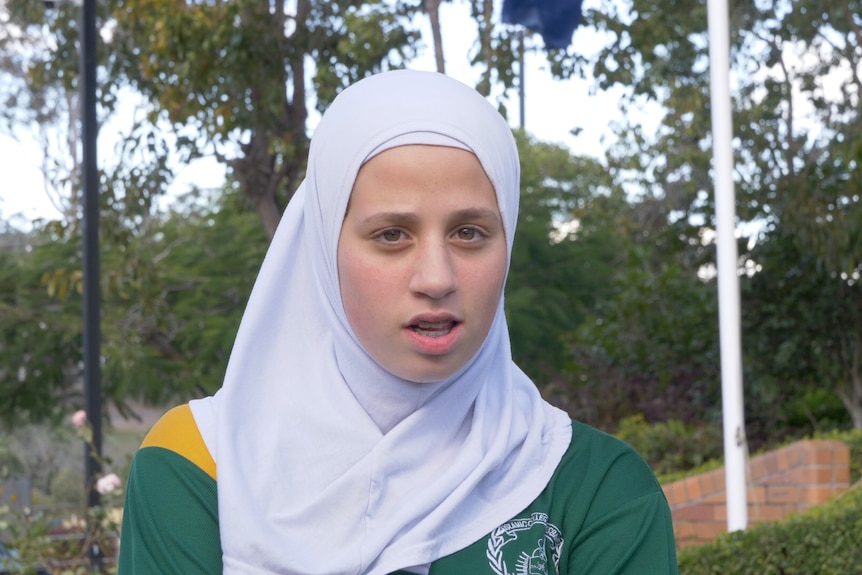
468, 234
391, 235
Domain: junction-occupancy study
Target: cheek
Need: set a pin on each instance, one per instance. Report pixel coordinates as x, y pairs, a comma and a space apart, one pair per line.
487, 284
347, 283
490, 303
352, 289
365, 291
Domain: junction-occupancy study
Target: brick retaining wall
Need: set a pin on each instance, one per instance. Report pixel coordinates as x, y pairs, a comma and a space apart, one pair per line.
780, 483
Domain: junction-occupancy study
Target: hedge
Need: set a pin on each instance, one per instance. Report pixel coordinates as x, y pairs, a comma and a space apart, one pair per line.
825, 540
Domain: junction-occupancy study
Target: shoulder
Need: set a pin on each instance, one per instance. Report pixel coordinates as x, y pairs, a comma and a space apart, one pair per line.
599, 473
611, 508
173, 458
170, 517
599, 456
177, 432
602, 512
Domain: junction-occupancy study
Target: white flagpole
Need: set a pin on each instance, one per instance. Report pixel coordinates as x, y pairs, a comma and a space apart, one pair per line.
727, 264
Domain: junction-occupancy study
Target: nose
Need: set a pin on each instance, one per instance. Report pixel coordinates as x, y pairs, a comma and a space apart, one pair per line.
433, 271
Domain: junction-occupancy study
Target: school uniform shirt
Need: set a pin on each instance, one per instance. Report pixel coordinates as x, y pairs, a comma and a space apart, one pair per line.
602, 512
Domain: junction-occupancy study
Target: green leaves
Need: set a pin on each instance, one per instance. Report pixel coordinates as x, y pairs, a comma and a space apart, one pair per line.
797, 129
171, 303
238, 75
555, 269
823, 540
39, 339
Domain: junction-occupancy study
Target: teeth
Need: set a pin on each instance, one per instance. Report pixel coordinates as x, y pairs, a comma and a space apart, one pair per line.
433, 324
433, 328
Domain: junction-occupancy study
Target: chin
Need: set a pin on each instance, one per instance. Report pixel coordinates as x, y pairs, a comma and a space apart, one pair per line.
427, 374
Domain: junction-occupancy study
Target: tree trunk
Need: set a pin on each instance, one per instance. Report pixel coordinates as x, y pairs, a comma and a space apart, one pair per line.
854, 408
852, 396
270, 167
851, 393
433, 9
257, 180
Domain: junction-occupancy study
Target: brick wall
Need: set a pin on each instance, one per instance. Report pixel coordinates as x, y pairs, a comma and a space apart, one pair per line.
780, 483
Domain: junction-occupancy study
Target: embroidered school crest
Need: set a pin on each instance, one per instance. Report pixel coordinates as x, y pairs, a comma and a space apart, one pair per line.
525, 546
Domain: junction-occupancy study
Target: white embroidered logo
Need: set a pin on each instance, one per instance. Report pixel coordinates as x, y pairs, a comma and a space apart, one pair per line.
545, 557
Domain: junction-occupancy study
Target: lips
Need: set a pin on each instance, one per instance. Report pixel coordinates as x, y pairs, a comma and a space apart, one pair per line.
434, 334
433, 328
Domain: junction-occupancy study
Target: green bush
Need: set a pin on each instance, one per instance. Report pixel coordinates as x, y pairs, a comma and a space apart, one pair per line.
671, 446
649, 439
823, 541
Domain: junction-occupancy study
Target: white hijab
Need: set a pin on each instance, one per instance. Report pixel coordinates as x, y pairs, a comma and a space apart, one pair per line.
327, 463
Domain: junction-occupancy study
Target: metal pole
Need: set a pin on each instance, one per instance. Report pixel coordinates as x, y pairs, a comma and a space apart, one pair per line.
92, 332
727, 263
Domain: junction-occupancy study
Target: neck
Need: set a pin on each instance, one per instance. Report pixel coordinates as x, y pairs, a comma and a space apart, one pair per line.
387, 399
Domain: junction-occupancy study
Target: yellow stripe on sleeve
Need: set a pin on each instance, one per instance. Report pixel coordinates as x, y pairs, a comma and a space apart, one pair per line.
178, 432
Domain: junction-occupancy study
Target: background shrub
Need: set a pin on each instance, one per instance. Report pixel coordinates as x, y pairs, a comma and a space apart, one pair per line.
671, 446
823, 541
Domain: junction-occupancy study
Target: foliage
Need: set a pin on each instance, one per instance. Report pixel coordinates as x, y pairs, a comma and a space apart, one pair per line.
671, 446
555, 271
172, 298
650, 346
175, 285
852, 438
59, 534
796, 95
41, 454
232, 78
39, 67
61, 544
823, 541
617, 316
229, 78
807, 322
177, 315
39, 343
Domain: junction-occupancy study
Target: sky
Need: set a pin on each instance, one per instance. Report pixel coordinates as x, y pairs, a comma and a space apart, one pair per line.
553, 108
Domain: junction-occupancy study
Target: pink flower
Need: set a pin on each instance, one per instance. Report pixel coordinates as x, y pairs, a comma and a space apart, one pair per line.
79, 418
108, 483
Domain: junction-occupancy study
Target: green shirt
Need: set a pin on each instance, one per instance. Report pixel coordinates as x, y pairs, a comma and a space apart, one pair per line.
602, 512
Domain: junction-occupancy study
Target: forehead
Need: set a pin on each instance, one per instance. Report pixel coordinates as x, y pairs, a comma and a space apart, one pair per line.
397, 174
397, 108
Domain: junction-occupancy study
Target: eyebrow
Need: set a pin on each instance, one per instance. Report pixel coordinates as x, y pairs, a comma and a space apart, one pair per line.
384, 218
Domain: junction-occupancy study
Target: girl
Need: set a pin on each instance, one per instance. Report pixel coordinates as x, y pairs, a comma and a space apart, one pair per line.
371, 419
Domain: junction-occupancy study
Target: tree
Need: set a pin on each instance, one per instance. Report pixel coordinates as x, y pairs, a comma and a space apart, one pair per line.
432, 7
650, 343
232, 77
173, 296
38, 71
797, 84
560, 259
172, 323
40, 347
806, 320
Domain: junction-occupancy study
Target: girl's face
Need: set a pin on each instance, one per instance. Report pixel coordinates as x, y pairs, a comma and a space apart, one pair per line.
422, 259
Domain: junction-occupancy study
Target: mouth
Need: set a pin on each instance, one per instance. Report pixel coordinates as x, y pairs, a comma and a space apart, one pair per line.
433, 328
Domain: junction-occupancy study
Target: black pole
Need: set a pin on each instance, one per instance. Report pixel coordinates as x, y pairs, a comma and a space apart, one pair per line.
92, 331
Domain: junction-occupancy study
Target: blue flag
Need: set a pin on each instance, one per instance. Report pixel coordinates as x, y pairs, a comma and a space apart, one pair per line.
555, 20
